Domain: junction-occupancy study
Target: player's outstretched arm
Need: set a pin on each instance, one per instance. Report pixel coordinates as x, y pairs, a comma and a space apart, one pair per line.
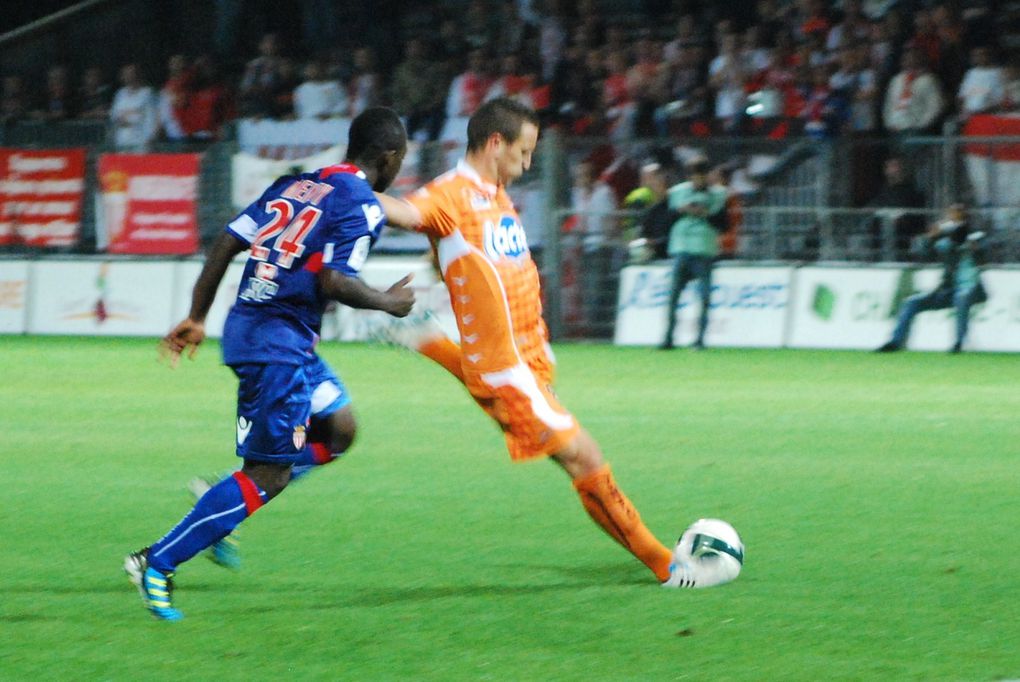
190, 332
352, 291
399, 213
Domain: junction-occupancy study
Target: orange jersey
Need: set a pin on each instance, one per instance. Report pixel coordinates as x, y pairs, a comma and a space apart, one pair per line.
494, 292
487, 267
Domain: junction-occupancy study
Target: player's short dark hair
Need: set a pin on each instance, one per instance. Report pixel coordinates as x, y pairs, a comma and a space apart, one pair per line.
501, 115
374, 131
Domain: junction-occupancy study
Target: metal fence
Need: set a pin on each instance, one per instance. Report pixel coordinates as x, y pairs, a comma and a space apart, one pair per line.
800, 201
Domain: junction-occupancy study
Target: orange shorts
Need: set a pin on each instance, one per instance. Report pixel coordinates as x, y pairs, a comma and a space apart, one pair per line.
522, 402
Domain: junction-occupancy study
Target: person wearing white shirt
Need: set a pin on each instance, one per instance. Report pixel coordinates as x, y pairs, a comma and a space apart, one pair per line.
983, 86
319, 97
133, 114
914, 99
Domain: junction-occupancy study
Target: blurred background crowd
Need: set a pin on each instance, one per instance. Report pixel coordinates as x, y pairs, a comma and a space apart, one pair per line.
619, 69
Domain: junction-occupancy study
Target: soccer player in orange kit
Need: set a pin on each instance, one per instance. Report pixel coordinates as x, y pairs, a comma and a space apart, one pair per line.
504, 358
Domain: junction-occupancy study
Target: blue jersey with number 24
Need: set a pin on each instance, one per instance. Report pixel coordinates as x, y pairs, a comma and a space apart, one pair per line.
302, 223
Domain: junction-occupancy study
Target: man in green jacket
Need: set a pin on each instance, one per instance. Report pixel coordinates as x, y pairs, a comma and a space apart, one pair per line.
693, 242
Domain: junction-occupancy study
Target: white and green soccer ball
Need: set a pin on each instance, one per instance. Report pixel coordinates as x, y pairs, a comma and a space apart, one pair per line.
712, 550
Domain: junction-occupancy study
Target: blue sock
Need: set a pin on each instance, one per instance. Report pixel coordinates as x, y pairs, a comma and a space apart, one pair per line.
214, 516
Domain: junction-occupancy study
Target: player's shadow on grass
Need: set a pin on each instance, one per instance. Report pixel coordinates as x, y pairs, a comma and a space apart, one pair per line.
609, 575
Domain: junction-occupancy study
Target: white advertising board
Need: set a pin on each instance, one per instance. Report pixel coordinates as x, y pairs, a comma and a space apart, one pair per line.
857, 308
101, 298
843, 307
13, 296
749, 306
187, 275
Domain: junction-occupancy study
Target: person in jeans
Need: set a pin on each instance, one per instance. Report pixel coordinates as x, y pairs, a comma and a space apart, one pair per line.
693, 242
960, 288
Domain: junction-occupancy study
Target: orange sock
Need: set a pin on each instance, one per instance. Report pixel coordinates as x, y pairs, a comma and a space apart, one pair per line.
446, 352
611, 509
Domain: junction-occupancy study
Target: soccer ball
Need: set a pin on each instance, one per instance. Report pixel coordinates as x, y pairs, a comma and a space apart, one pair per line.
712, 551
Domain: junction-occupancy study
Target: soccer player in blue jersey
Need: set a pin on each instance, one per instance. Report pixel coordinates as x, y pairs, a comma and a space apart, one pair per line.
308, 237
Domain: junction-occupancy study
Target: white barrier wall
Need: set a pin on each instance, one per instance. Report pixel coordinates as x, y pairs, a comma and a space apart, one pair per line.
752, 305
813, 307
748, 306
843, 307
121, 297
13, 296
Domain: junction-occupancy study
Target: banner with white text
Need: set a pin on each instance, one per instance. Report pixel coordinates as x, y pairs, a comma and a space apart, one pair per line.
40, 196
147, 204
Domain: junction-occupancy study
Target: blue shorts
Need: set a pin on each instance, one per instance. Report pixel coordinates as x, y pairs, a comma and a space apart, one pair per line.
275, 405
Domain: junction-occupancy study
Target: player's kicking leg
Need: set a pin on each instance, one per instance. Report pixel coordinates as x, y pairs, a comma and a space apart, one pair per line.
422, 334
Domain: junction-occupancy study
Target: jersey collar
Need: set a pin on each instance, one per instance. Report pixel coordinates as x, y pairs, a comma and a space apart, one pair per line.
465, 169
342, 168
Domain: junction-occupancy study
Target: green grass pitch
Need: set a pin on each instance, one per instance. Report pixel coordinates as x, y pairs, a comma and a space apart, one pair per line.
877, 497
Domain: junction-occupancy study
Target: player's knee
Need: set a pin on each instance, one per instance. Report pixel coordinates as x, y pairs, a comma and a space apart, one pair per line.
270, 478
582, 457
341, 435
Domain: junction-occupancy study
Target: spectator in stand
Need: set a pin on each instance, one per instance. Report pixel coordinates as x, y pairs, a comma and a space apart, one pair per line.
892, 204
477, 25
815, 21
952, 51
418, 91
856, 81
94, 95
281, 95
262, 79
318, 96
451, 48
755, 54
173, 97
1011, 85
616, 96
133, 115
656, 219
513, 81
468, 88
826, 111
853, 29
682, 89
365, 86
913, 100
209, 104
728, 78
685, 35
58, 101
552, 39
575, 90
983, 86
926, 38
513, 30
14, 102
642, 81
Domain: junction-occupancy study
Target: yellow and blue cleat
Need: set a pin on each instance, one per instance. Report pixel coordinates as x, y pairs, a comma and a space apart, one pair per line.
155, 587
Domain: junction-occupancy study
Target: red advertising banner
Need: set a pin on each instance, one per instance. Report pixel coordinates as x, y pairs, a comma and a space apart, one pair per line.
40, 196
147, 203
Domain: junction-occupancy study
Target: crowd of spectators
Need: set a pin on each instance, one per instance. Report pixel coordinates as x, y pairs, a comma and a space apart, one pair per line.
833, 68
